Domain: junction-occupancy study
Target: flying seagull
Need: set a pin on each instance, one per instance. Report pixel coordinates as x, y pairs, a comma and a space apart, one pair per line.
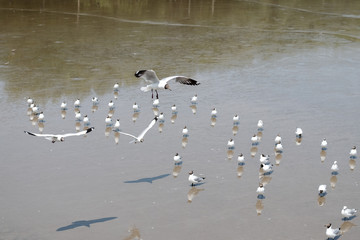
150, 76
59, 137
140, 138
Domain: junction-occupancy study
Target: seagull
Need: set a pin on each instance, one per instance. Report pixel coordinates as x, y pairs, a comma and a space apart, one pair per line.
177, 157
266, 167
279, 148
353, 152
116, 87
78, 116
332, 233
236, 119
156, 103
150, 76
194, 179
254, 140
111, 105
185, 132
260, 190
298, 132
77, 103
63, 105
117, 125
335, 167
213, 113
277, 139
135, 107
260, 125
322, 190
95, 101
230, 144
194, 99
108, 121
41, 117
140, 138
59, 137
324, 144
29, 101
86, 120
161, 118
264, 159
241, 159
348, 212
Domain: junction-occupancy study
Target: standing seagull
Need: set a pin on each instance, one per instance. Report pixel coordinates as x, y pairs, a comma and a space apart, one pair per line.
195, 179
150, 76
332, 233
140, 138
348, 213
59, 137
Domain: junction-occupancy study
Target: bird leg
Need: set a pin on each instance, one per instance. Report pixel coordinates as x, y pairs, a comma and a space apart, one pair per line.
157, 95
152, 94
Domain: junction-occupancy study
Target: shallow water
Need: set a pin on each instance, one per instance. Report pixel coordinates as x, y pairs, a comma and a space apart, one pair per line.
290, 63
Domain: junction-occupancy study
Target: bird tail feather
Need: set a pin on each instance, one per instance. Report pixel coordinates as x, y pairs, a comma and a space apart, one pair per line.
145, 89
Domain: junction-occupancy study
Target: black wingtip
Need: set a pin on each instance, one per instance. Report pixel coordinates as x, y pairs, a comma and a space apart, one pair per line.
139, 73
29, 133
90, 129
156, 118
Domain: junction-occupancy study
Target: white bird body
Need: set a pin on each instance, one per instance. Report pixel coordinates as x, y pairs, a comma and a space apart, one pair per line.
195, 179
78, 116
177, 157
277, 139
117, 124
108, 121
173, 108
332, 232
213, 112
298, 132
86, 120
260, 189
279, 147
111, 105
116, 86
141, 136
156, 102
41, 117
230, 144
185, 132
335, 167
63, 105
194, 99
254, 139
324, 144
59, 137
77, 103
236, 120
29, 101
322, 189
266, 167
95, 100
264, 159
241, 158
348, 212
260, 124
156, 84
353, 152
161, 118
135, 107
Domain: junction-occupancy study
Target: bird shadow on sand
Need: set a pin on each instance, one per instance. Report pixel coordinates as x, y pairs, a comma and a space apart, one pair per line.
148, 179
84, 223
348, 218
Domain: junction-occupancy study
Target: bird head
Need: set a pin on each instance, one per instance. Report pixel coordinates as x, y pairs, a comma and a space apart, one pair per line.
167, 86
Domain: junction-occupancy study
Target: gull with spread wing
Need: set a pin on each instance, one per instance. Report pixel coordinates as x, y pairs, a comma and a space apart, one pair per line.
150, 76
59, 137
140, 138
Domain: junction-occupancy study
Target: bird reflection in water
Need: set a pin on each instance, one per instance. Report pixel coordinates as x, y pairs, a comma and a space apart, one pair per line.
41, 127
230, 154
173, 117
235, 130
193, 192
107, 131
77, 126
253, 151
116, 137
240, 171
264, 179
352, 164
193, 108
278, 157
135, 116
333, 181
321, 200
259, 136
111, 112
259, 206
184, 142
156, 111
298, 140
323, 155
134, 234
346, 226
213, 121
116, 94
176, 169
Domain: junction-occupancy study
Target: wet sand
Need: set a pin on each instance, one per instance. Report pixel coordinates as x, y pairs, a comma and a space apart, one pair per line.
90, 187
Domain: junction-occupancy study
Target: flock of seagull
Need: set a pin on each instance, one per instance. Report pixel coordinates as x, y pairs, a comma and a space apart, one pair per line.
266, 168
